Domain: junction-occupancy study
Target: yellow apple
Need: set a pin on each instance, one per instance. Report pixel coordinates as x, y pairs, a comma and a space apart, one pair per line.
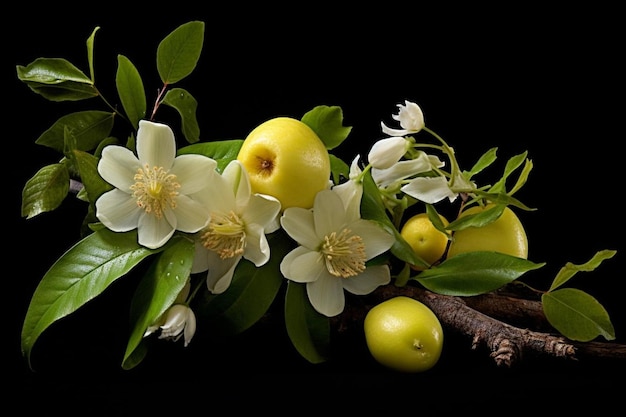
426, 241
286, 159
505, 235
404, 334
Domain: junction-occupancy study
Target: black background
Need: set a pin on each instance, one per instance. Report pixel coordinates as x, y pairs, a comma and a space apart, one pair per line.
550, 82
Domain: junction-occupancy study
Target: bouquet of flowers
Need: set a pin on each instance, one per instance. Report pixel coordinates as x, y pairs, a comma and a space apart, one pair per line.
227, 227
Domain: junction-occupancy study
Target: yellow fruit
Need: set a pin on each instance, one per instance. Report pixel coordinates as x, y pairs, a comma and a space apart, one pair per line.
505, 235
404, 334
426, 241
286, 159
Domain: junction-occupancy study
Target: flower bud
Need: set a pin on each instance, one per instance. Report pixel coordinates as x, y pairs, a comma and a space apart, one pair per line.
387, 152
179, 321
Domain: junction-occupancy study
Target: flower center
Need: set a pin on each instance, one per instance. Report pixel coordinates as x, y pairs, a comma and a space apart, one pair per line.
155, 189
344, 254
225, 235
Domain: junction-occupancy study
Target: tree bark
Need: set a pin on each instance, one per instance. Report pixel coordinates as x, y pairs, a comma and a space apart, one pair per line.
498, 321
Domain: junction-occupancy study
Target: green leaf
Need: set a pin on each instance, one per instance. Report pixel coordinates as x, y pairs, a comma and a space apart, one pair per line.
79, 275
480, 219
46, 190
94, 185
186, 106
308, 330
512, 164
327, 123
251, 292
483, 162
474, 273
56, 79
221, 151
577, 315
523, 177
338, 168
90, 50
131, 91
178, 53
89, 128
372, 208
157, 291
570, 269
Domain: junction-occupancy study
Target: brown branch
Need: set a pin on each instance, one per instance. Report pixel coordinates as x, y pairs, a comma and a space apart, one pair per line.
481, 319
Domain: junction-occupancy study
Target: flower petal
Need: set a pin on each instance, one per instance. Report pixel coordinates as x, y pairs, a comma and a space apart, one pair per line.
191, 216
220, 272
257, 249
118, 211
262, 210
193, 172
154, 232
118, 166
302, 265
429, 189
326, 295
200, 258
376, 239
298, 223
368, 280
329, 213
156, 145
387, 152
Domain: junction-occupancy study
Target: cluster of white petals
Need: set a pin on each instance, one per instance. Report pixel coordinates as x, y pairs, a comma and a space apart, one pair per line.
239, 222
155, 191
411, 120
334, 245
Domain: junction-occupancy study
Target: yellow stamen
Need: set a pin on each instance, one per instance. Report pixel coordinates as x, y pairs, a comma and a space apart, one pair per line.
225, 235
155, 189
344, 254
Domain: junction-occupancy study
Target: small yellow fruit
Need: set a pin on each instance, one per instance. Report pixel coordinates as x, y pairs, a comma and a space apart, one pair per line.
426, 241
505, 235
404, 334
286, 159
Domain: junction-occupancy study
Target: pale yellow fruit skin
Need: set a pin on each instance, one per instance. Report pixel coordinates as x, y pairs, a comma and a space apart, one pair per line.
299, 159
404, 334
426, 241
505, 235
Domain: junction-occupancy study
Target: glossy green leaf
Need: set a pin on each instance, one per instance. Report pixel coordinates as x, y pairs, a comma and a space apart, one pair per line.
327, 123
131, 91
90, 52
308, 330
56, 79
251, 292
480, 219
222, 151
577, 315
511, 165
474, 273
157, 291
46, 190
87, 165
79, 275
186, 106
570, 269
483, 162
372, 208
88, 127
523, 177
178, 53
338, 169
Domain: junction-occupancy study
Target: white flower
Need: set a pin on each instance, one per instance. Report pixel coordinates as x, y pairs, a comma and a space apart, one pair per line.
434, 189
386, 152
410, 117
180, 320
404, 169
154, 192
239, 222
334, 246
351, 191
